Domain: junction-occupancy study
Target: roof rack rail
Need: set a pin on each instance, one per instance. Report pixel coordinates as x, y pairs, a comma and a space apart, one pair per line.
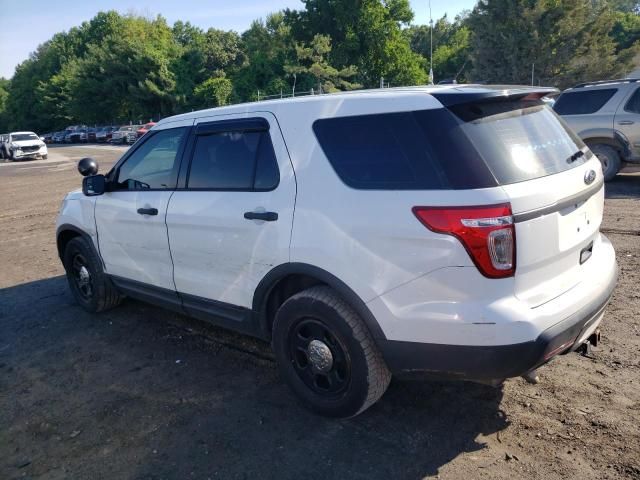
603, 82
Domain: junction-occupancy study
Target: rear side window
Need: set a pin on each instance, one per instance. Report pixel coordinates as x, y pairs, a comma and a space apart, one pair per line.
234, 160
583, 102
422, 150
633, 105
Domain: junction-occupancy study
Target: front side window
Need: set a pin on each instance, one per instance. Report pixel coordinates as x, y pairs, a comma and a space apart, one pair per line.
583, 102
154, 165
234, 160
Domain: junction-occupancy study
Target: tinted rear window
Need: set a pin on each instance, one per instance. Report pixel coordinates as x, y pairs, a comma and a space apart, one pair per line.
469, 146
584, 102
421, 150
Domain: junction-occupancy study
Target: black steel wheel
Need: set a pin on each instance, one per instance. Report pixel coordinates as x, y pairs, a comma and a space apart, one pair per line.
81, 276
90, 286
318, 357
327, 355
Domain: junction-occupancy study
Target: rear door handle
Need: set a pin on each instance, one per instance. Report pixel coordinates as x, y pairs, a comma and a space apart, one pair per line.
148, 211
266, 216
625, 122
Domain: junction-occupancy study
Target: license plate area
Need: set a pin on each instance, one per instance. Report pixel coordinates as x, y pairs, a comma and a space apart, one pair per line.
576, 224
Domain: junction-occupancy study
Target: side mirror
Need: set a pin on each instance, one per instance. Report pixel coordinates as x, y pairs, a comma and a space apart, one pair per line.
87, 166
94, 185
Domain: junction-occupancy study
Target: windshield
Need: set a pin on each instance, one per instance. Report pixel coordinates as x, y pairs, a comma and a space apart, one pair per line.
19, 137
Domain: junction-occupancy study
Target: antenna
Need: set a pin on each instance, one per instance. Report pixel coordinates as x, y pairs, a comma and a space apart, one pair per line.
431, 46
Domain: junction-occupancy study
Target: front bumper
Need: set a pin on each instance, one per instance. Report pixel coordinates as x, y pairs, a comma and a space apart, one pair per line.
499, 361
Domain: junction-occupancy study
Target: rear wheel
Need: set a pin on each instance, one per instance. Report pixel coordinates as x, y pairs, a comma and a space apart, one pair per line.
609, 159
90, 286
326, 354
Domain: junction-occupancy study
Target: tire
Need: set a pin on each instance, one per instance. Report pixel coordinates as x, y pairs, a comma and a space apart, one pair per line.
95, 293
44, 157
353, 376
609, 159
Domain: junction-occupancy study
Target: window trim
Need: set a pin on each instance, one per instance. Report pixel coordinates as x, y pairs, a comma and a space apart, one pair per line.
626, 105
115, 170
243, 125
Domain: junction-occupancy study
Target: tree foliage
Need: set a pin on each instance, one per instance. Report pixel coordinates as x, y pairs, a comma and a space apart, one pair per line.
563, 41
120, 68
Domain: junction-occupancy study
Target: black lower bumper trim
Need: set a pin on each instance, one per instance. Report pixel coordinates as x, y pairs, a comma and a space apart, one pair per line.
495, 362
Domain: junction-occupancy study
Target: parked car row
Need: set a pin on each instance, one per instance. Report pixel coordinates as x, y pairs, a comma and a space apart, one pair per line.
126, 134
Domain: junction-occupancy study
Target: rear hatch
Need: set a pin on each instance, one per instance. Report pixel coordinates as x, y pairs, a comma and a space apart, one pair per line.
552, 181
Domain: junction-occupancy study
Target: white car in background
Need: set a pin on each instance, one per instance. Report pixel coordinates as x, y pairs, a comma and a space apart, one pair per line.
22, 145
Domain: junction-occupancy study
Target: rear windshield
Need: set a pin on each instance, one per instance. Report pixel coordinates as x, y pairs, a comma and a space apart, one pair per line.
468, 146
583, 102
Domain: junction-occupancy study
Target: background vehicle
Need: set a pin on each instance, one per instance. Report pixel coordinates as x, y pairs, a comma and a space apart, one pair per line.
363, 234
58, 137
47, 138
104, 134
606, 116
91, 134
22, 146
120, 136
78, 136
144, 129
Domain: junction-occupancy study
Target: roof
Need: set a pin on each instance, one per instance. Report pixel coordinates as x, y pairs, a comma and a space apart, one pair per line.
446, 94
605, 83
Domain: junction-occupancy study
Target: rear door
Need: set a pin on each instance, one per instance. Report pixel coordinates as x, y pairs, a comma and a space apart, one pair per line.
232, 223
555, 187
627, 121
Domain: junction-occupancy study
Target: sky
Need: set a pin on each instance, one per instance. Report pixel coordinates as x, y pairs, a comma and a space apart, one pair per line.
28, 23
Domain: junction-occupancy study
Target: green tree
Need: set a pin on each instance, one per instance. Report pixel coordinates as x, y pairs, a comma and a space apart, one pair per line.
364, 33
214, 92
268, 47
566, 41
312, 63
451, 47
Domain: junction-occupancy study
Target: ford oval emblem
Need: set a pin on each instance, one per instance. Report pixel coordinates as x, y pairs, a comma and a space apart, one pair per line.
589, 177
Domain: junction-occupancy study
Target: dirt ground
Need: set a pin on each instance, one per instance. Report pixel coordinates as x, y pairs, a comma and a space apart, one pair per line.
142, 393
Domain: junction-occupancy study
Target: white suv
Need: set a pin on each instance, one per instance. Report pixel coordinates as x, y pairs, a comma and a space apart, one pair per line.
22, 145
451, 230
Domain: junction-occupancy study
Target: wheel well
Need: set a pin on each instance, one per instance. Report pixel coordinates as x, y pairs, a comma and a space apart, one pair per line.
606, 141
64, 237
284, 289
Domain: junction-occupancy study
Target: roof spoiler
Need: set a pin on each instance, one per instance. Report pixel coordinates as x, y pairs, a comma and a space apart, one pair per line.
456, 96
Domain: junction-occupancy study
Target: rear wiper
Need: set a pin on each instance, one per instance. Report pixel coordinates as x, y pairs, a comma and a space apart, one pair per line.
575, 156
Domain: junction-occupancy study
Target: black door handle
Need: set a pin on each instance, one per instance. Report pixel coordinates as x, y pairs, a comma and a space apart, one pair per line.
266, 216
148, 211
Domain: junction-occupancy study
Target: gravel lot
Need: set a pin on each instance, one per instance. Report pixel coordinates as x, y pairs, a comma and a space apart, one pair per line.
143, 393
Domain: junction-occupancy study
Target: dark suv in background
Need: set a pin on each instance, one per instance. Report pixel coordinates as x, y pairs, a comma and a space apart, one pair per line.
606, 116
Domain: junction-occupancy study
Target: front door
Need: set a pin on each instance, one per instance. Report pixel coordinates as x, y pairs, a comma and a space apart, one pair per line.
130, 218
232, 223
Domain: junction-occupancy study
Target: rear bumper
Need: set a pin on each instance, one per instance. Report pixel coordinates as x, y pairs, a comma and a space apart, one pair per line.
498, 361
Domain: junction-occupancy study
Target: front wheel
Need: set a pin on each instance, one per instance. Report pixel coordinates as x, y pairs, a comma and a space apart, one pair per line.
90, 286
327, 355
609, 159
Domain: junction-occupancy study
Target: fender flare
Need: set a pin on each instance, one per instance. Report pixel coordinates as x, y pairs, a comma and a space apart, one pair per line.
271, 279
68, 227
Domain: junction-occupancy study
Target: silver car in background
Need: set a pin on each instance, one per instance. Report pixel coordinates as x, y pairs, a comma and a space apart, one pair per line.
606, 116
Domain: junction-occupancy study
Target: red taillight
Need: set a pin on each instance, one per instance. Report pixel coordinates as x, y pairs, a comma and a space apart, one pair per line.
486, 232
